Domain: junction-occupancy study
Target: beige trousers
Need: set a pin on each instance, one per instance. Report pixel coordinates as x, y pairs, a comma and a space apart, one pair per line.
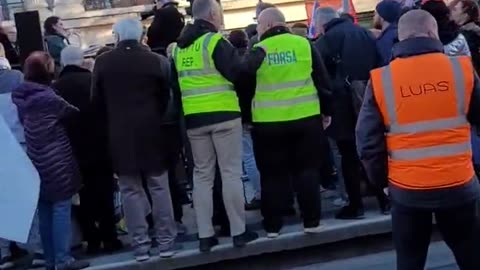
220, 142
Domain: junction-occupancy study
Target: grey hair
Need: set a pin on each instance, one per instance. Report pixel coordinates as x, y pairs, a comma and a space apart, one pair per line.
201, 8
71, 56
324, 15
128, 29
417, 23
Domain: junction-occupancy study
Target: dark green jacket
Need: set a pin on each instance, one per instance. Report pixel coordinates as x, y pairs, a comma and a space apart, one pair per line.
55, 45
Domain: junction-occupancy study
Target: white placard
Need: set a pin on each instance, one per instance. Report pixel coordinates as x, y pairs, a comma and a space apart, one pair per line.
19, 188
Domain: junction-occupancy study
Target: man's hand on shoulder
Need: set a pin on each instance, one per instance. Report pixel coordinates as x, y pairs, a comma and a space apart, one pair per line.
262, 47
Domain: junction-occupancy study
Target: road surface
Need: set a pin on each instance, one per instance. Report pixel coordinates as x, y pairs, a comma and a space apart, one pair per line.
440, 258
369, 253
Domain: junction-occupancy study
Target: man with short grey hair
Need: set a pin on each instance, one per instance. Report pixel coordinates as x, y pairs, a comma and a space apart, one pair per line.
71, 55
349, 52
261, 6
207, 66
323, 16
131, 87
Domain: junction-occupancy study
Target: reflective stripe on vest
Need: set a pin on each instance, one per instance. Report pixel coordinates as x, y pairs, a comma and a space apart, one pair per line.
289, 102
429, 152
277, 86
285, 90
203, 88
208, 90
426, 126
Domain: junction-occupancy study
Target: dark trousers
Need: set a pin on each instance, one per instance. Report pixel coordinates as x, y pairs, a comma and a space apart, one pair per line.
289, 154
96, 206
412, 229
354, 174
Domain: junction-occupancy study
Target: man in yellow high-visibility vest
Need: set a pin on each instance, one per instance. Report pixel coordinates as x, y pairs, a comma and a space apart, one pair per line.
291, 87
207, 66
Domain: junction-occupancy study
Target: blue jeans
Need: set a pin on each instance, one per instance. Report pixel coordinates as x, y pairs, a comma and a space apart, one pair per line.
55, 231
250, 166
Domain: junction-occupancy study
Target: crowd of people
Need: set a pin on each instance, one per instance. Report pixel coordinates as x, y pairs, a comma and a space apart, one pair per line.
258, 119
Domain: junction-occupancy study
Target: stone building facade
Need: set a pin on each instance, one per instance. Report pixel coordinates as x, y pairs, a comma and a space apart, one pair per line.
92, 20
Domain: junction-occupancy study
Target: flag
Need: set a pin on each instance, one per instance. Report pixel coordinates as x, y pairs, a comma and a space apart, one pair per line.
352, 11
311, 28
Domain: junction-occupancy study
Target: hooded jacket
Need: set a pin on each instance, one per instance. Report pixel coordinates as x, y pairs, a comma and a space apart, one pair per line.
41, 111
227, 61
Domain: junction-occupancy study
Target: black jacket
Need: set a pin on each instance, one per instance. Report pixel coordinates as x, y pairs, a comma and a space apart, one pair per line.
165, 28
246, 85
319, 76
87, 135
227, 61
348, 51
471, 31
130, 88
10, 52
371, 142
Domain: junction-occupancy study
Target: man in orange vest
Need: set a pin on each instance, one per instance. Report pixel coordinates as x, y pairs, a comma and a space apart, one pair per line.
413, 135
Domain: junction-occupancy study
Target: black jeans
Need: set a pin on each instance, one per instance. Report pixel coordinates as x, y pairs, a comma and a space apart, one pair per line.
354, 174
412, 228
289, 154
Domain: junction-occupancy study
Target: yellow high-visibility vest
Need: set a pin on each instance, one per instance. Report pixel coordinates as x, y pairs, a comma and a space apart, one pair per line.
202, 87
285, 90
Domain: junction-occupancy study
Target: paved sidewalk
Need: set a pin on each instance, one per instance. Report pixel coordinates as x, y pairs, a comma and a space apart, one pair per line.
292, 237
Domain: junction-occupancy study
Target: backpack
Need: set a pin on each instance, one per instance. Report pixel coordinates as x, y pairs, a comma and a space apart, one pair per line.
353, 88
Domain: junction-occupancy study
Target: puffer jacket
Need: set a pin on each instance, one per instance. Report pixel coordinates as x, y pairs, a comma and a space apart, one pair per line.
457, 47
41, 111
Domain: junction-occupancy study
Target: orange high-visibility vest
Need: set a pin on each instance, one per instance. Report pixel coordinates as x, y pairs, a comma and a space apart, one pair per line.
424, 102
